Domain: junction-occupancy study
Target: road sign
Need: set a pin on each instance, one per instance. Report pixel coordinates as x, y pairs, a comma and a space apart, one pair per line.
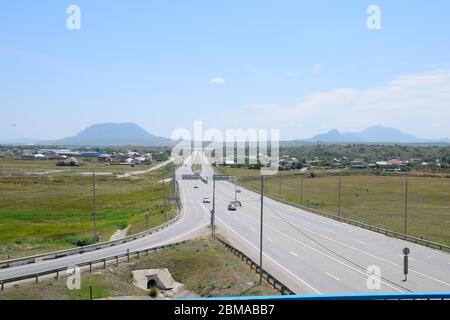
406, 251
223, 178
190, 177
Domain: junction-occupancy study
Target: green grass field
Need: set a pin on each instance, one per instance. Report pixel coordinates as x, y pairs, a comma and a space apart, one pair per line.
375, 200
39, 213
203, 266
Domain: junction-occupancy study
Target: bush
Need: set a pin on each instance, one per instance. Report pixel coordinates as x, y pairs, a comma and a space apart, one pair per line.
153, 292
80, 241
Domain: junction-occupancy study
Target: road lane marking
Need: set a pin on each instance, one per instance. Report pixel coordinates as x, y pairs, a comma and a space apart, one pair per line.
332, 276
324, 254
349, 229
293, 253
269, 239
331, 231
360, 241
271, 259
253, 229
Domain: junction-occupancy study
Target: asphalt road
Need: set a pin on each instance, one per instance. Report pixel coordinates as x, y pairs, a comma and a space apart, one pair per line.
314, 254
193, 220
307, 252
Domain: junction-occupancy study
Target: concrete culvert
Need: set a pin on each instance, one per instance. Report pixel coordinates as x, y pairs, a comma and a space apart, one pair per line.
151, 284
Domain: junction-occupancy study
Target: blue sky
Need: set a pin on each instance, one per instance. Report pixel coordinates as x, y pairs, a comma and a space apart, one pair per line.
302, 67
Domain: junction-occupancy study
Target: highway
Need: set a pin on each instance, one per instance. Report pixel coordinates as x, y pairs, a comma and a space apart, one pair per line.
194, 221
307, 252
314, 254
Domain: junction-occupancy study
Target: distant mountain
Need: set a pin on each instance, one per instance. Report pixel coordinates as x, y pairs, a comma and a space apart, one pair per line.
374, 134
110, 134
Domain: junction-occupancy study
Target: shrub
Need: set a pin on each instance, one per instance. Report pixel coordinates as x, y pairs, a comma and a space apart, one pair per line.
79, 241
153, 292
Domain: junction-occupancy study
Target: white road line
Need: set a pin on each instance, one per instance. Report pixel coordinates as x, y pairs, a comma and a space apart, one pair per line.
362, 242
322, 253
293, 253
368, 254
331, 231
253, 229
332, 276
271, 259
349, 229
269, 239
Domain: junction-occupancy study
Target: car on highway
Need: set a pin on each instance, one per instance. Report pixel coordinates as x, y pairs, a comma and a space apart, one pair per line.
231, 207
206, 200
238, 190
196, 187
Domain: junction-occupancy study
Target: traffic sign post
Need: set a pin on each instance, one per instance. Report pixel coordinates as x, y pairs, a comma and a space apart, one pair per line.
406, 252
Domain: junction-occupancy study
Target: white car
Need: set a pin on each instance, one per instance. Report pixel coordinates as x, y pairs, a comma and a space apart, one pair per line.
206, 200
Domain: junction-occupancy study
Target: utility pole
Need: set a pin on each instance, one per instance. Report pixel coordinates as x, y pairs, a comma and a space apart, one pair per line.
301, 192
339, 197
164, 195
235, 189
406, 204
279, 186
213, 212
94, 209
261, 231
146, 220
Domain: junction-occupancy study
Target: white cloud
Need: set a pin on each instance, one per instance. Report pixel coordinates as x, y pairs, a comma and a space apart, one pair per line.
417, 103
218, 81
317, 69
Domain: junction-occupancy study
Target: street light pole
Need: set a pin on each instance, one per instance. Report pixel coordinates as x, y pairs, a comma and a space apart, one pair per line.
279, 186
339, 197
261, 231
213, 213
94, 208
164, 195
301, 192
406, 204
235, 189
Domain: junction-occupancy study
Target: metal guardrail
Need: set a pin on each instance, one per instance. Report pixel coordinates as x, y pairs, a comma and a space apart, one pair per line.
278, 285
384, 231
91, 263
92, 247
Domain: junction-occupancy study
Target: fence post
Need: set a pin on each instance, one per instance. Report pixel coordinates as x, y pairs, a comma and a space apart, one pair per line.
90, 266
57, 274
128, 255
37, 278
104, 263
117, 261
